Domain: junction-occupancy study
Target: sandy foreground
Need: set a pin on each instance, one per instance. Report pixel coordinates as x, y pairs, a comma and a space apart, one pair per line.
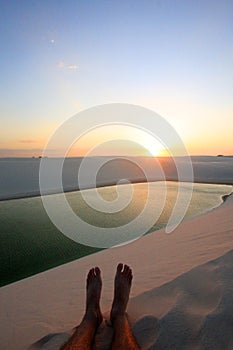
182, 293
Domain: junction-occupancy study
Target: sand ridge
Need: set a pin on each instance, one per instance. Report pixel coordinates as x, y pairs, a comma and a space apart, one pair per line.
170, 289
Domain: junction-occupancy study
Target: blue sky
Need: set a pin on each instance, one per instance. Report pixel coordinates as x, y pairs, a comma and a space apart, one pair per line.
60, 57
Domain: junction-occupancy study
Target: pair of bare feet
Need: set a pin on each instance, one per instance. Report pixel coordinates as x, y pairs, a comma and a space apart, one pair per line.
84, 334
122, 286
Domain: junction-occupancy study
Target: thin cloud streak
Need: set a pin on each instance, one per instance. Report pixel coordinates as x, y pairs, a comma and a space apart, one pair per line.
62, 65
27, 141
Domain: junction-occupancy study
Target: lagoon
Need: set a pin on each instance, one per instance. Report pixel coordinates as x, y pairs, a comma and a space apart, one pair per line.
30, 243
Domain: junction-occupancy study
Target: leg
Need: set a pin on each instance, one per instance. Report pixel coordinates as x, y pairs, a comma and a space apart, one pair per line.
83, 336
123, 337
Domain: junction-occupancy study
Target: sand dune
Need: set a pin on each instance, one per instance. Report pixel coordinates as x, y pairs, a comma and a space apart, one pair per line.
194, 311
26, 171
181, 296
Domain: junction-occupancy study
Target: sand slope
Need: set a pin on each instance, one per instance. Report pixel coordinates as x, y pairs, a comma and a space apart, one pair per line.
194, 311
181, 296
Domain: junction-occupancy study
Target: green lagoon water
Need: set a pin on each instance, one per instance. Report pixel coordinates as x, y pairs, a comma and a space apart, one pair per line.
30, 243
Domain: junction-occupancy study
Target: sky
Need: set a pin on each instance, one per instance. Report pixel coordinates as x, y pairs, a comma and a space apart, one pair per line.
58, 58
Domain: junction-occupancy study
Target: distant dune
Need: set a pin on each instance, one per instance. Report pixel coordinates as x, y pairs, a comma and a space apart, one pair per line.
19, 177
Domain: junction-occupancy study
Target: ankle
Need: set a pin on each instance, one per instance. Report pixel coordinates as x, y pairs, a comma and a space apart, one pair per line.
118, 317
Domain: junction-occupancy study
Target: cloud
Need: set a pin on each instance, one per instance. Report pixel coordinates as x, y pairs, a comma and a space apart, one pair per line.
27, 141
73, 67
62, 65
10, 152
52, 41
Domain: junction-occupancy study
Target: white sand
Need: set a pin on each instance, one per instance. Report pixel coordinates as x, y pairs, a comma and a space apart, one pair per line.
181, 298
26, 171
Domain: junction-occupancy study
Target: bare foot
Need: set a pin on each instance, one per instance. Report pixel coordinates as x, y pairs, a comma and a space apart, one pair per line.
94, 286
122, 285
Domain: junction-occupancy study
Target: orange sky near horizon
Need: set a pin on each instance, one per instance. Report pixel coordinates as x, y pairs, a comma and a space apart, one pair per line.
122, 141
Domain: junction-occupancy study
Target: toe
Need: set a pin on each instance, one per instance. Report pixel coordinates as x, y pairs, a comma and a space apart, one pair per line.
97, 271
126, 270
130, 276
90, 275
119, 267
